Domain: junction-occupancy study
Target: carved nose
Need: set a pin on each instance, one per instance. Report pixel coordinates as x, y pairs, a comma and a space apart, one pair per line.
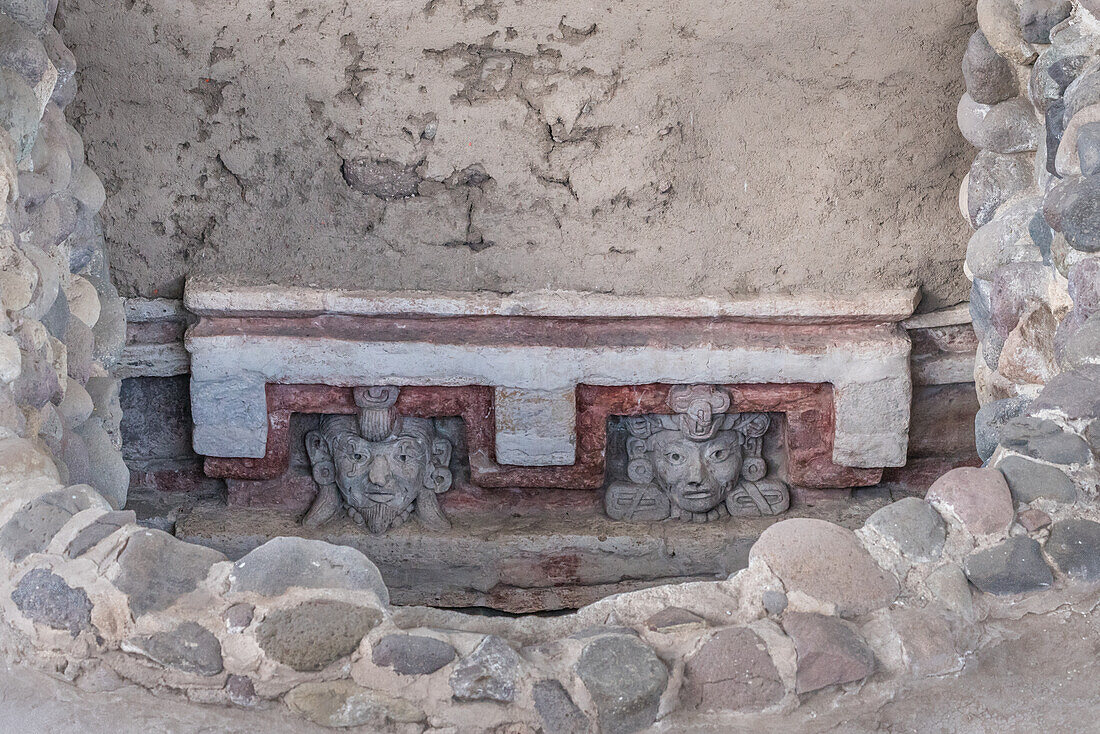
379, 471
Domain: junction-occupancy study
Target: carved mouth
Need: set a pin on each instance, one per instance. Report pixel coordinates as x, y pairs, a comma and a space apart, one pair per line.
699, 494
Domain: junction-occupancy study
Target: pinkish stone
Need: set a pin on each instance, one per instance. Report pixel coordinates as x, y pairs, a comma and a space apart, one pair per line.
979, 498
826, 562
1033, 519
829, 650
731, 671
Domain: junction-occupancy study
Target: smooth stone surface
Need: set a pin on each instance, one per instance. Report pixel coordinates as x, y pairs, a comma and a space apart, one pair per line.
1074, 546
241, 690
994, 179
1088, 148
913, 526
412, 654
1075, 394
1045, 439
1000, 20
826, 562
829, 651
990, 421
343, 703
157, 569
1015, 287
1037, 17
239, 616
103, 526
190, 647
1029, 480
559, 714
1083, 345
490, 561
44, 597
110, 475
489, 673
731, 671
313, 634
1033, 519
1072, 207
32, 528
775, 602
1005, 127
1084, 282
282, 563
1004, 240
1016, 566
950, 586
989, 78
625, 679
980, 498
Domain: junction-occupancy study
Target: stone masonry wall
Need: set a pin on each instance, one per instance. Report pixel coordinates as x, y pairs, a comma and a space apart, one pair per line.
62, 326
637, 148
820, 610
1033, 195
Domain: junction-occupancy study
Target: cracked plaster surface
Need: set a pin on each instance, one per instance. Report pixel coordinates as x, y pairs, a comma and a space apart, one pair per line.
652, 148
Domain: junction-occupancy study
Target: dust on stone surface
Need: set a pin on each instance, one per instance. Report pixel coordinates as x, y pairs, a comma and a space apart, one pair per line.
1059, 678
686, 149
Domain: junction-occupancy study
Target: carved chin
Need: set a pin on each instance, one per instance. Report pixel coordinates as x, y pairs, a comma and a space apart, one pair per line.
379, 518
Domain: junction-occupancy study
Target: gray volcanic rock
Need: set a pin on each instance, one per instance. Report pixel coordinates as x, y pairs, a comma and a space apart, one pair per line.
1016, 566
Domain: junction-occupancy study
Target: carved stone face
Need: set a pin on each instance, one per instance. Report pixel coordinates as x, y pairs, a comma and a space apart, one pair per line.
389, 473
381, 482
696, 475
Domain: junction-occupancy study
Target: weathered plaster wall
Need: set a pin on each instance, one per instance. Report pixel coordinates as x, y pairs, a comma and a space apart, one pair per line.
644, 147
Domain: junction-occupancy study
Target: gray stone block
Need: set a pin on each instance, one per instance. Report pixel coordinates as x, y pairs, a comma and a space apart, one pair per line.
1074, 546
914, 527
1029, 480
158, 569
313, 634
990, 421
189, 647
44, 597
412, 654
1016, 566
559, 714
989, 78
1044, 439
32, 528
625, 679
282, 563
829, 651
489, 673
102, 527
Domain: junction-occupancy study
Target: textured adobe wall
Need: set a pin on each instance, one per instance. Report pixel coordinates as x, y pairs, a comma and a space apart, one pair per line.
648, 147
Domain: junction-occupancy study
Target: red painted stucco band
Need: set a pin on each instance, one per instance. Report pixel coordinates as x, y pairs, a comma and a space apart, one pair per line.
808, 431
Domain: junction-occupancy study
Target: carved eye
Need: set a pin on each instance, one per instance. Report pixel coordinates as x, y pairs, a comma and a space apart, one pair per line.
675, 457
720, 455
358, 457
404, 457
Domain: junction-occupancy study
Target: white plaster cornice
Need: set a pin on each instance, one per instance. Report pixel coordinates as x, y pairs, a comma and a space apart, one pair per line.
211, 299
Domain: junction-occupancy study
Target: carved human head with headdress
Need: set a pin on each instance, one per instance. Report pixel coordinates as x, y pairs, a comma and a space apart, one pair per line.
384, 466
699, 464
